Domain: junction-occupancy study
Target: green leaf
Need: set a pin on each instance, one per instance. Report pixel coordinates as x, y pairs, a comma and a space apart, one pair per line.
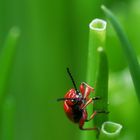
6, 58
127, 49
8, 117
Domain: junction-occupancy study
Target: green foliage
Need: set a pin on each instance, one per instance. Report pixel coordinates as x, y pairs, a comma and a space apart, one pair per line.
54, 35
8, 119
6, 58
7, 105
128, 51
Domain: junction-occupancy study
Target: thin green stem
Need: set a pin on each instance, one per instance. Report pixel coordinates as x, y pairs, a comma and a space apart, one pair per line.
127, 49
96, 63
6, 57
8, 117
6, 60
97, 36
101, 89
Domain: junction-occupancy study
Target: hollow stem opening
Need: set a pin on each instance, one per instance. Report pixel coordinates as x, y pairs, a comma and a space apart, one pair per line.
98, 24
110, 130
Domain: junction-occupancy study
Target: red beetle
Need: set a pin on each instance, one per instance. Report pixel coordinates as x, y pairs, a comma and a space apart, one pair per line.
76, 101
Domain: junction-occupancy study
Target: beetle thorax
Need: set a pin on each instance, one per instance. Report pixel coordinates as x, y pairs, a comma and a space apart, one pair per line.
74, 96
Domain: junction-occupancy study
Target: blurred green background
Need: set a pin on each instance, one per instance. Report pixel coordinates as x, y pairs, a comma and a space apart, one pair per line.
54, 35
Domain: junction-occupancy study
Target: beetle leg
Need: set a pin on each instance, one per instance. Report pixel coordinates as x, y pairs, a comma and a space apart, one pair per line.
94, 128
81, 126
102, 111
90, 101
82, 89
92, 116
92, 89
87, 89
82, 121
87, 103
95, 113
96, 98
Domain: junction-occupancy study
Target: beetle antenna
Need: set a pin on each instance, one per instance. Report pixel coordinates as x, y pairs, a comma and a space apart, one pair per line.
63, 99
72, 80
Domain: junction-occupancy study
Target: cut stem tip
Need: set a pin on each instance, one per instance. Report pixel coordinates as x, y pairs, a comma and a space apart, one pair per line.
110, 130
98, 24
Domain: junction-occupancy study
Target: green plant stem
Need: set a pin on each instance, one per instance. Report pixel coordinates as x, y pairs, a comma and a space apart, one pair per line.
110, 131
101, 89
6, 57
127, 49
97, 35
8, 117
96, 38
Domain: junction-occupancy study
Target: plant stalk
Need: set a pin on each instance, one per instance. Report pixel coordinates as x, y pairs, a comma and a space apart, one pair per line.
8, 119
6, 58
101, 89
97, 36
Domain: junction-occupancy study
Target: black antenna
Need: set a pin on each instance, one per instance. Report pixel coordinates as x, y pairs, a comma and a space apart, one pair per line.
63, 99
72, 80
76, 99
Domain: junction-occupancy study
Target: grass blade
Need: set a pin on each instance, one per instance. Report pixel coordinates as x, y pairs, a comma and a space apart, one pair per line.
127, 49
8, 116
6, 58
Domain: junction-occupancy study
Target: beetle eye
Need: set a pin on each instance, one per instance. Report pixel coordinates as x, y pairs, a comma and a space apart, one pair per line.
74, 101
80, 95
